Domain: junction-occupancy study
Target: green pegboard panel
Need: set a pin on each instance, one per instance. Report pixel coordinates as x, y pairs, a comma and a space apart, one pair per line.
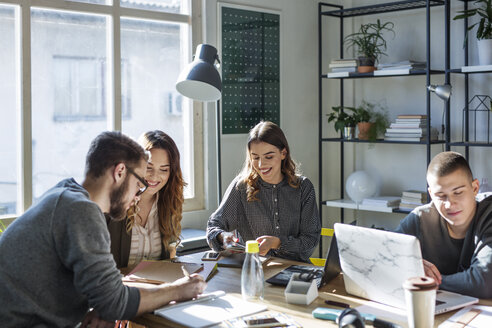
250, 69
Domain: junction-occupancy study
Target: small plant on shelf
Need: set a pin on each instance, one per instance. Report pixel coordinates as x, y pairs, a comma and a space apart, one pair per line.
371, 119
344, 121
369, 43
484, 30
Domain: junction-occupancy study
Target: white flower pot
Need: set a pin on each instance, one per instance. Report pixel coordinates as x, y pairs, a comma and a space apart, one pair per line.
484, 51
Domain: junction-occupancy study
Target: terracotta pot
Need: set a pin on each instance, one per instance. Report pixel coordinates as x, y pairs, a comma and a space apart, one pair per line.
366, 65
364, 130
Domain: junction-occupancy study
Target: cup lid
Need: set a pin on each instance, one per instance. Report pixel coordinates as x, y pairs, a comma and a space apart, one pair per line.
420, 283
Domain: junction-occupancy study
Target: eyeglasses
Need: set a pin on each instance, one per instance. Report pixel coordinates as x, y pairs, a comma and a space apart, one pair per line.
145, 184
312, 274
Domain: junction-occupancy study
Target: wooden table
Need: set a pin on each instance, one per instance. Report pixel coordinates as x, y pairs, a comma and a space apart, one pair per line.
229, 280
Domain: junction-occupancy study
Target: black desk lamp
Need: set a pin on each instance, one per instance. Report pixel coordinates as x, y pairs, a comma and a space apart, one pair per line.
201, 81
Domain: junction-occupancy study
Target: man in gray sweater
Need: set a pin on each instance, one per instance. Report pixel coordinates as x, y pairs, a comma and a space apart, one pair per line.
454, 230
55, 259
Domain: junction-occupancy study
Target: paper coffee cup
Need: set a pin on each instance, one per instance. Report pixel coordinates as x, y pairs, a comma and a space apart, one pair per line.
420, 298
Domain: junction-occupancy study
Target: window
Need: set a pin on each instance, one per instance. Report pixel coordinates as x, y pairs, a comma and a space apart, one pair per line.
74, 84
9, 82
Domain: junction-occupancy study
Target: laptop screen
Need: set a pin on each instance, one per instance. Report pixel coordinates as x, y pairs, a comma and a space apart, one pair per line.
375, 263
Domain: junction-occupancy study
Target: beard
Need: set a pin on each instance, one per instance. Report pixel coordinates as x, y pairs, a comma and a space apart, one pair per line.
117, 209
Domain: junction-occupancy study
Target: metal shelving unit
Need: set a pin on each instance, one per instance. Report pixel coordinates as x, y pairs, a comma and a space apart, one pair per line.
341, 13
466, 142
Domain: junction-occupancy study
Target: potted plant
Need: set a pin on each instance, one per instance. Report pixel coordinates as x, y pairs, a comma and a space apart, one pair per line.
344, 121
369, 43
484, 30
371, 119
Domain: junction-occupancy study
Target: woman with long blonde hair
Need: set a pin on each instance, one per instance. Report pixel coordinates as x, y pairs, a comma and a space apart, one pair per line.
153, 226
268, 201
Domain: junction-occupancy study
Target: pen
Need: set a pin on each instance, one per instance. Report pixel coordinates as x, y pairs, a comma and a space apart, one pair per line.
185, 272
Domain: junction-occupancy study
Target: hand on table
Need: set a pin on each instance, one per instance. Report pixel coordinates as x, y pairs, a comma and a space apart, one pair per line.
267, 243
432, 271
189, 287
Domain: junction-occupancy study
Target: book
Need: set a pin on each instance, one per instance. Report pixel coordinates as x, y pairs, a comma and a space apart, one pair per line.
344, 69
404, 139
403, 64
412, 125
338, 74
383, 72
158, 272
236, 260
476, 68
414, 194
415, 116
338, 65
384, 201
404, 135
407, 130
344, 61
472, 316
208, 309
411, 120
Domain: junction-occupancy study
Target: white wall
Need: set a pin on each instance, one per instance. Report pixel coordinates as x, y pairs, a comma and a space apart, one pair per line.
299, 90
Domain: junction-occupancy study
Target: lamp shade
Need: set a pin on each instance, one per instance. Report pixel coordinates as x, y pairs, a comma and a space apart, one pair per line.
200, 80
442, 91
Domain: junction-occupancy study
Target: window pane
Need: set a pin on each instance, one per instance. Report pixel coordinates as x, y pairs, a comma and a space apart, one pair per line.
9, 111
69, 87
170, 6
153, 54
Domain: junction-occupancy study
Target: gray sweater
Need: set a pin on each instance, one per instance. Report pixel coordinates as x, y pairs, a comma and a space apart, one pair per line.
55, 264
465, 264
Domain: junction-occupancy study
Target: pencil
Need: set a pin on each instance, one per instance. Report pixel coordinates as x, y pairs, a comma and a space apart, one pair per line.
185, 272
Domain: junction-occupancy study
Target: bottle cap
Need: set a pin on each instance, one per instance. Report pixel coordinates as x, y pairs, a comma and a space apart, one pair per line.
420, 284
252, 246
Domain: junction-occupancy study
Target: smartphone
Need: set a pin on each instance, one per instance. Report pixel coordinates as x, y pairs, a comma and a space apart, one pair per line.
210, 256
264, 322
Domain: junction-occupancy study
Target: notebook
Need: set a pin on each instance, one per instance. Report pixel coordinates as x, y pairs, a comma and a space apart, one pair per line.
322, 276
236, 260
209, 309
375, 264
158, 272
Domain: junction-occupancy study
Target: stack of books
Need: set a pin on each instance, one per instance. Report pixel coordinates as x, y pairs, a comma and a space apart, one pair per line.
382, 201
411, 199
411, 127
403, 67
342, 67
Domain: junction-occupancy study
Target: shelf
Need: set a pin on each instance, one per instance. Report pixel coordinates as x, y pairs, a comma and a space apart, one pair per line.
382, 8
382, 141
355, 75
471, 144
345, 203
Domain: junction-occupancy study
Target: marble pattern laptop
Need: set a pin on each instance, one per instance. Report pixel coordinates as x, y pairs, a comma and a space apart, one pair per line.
375, 264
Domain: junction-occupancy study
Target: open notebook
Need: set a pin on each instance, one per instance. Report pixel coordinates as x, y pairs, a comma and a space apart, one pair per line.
209, 309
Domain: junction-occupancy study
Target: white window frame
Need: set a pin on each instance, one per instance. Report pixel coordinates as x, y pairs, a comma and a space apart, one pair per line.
115, 12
